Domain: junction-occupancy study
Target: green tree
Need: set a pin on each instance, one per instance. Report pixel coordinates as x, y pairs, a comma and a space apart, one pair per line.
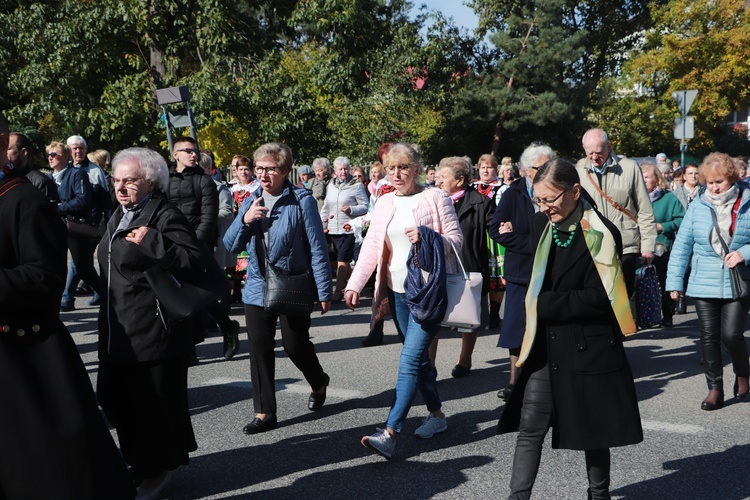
693, 45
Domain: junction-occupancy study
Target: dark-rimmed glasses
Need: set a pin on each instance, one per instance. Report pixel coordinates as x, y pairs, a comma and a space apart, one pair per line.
540, 201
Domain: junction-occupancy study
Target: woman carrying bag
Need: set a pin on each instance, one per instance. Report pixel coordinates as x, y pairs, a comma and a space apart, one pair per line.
281, 230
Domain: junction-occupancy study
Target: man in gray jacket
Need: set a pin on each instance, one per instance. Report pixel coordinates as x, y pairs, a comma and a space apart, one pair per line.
617, 186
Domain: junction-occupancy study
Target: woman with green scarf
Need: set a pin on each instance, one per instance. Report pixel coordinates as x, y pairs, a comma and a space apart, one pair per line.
574, 375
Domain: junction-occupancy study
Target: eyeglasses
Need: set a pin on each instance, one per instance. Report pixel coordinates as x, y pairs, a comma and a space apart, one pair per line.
401, 168
128, 182
267, 170
357, 176
188, 151
52, 154
541, 202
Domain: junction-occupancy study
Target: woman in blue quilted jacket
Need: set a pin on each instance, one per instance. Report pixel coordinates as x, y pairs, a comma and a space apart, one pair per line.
723, 204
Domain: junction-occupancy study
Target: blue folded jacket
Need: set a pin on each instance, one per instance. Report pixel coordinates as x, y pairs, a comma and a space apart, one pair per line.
427, 300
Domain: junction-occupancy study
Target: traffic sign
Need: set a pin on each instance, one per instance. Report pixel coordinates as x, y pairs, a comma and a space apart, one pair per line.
684, 128
684, 99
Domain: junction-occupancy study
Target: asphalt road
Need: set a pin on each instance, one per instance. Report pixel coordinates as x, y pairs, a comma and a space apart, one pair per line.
687, 453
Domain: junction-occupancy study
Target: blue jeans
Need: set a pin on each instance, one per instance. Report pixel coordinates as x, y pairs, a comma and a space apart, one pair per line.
415, 371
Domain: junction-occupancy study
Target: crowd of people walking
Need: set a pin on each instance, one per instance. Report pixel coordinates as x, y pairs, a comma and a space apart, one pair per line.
559, 242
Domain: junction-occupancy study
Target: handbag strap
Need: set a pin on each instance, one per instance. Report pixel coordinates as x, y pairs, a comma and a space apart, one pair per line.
612, 202
718, 232
304, 232
458, 258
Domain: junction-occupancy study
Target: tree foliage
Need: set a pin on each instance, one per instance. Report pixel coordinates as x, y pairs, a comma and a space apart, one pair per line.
694, 44
329, 77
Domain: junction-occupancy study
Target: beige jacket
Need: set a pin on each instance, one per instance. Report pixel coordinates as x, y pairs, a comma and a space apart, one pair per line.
623, 182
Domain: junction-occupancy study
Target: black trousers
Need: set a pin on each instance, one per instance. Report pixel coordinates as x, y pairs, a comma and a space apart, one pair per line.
723, 320
147, 403
630, 263
295, 335
536, 417
82, 253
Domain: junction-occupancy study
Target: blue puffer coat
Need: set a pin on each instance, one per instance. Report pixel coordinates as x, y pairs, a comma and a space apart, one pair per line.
709, 276
287, 247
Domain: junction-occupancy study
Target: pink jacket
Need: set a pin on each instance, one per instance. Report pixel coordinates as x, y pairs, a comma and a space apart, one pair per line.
435, 210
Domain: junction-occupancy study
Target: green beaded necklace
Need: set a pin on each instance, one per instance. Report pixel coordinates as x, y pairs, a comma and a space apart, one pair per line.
557, 238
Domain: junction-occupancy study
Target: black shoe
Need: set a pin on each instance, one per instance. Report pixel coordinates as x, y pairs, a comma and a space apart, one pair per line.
373, 339
67, 305
460, 371
504, 393
713, 403
667, 321
232, 340
193, 360
257, 425
495, 323
315, 401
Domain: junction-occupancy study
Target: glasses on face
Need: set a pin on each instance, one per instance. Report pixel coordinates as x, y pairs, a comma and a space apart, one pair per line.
401, 168
358, 176
188, 151
540, 201
128, 182
267, 170
53, 154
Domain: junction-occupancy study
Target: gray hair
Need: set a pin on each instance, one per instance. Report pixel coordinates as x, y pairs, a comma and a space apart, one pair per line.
342, 160
278, 152
206, 160
321, 163
603, 137
460, 167
76, 139
152, 165
532, 153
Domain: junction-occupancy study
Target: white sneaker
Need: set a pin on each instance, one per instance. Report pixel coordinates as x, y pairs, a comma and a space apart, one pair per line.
431, 426
381, 443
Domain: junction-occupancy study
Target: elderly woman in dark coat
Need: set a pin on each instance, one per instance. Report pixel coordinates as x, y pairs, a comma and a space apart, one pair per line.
511, 228
474, 212
575, 376
53, 440
142, 384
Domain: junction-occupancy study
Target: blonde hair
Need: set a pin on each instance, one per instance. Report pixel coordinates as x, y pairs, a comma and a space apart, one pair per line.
402, 151
650, 167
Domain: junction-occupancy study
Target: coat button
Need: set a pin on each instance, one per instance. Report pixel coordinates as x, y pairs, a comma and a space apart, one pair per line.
552, 336
35, 328
554, 366
6, 328
580, 347
610, 341
21, 332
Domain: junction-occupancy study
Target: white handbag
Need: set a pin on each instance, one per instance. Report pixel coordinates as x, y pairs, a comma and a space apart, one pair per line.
464, 298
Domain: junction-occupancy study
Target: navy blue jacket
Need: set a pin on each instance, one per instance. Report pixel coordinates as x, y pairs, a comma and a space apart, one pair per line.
76, 195
427, 299
515, 207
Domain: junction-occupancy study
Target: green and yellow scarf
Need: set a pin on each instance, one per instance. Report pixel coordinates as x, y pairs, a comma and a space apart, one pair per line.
603, 251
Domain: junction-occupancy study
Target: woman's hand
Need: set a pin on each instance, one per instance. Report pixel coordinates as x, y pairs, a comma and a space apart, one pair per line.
325, 306
136, 235
256, 211
734, 258
659, 228
676, 295
351, 298
413, 234
505, 227
346, 209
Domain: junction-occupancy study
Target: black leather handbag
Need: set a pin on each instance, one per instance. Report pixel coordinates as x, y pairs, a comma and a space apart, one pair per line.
179, 299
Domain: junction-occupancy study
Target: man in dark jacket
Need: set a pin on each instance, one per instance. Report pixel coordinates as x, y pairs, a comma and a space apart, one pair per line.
19, 150
195, 195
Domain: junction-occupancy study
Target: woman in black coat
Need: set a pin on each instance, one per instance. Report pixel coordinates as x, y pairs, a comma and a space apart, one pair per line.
511, 228
575, 376
55, 443
142, 384
474, 212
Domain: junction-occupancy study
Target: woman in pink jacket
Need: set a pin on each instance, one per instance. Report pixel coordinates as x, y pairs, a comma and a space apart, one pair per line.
393, 230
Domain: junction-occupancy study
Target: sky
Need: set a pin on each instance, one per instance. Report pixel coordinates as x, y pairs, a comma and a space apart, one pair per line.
461, 14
